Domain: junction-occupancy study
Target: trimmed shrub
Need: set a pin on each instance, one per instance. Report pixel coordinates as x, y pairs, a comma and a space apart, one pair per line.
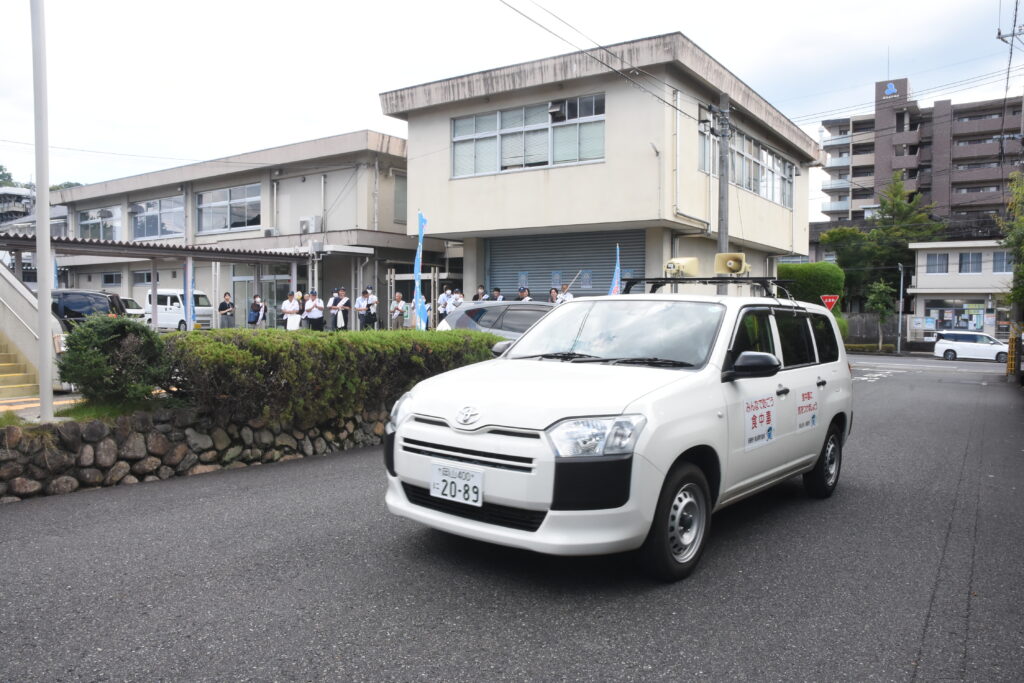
870, 348
308, 376
811, 280
113, 359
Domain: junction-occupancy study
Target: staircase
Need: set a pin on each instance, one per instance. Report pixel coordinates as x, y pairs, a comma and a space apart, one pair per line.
17, 376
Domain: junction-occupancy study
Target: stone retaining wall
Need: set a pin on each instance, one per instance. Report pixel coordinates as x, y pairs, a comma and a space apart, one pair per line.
69, 456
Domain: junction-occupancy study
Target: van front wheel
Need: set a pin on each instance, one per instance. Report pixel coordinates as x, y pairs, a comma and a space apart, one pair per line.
182, 326
681, 525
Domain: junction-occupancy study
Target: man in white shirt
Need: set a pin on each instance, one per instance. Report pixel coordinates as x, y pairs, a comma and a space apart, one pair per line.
565, 295
442, 303
290, 309
342, 305
371, 306
454, 301
399, 311
315, 311
496, 294
366, 310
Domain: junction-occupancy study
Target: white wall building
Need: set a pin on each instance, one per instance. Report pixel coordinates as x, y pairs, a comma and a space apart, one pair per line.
962, 286
542, 168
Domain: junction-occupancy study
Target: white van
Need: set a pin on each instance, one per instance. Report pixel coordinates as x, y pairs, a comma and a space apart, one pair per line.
622, 423
171, 312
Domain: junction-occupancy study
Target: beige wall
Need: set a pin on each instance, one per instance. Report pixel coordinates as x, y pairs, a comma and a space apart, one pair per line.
954, 281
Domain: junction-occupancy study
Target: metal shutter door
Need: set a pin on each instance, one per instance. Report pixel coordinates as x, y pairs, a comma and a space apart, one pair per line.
546, 259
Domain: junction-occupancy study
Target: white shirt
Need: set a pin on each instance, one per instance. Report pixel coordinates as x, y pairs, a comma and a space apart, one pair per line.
291, 314
361, 302
563, 297
453, 303
315, 308
371, 303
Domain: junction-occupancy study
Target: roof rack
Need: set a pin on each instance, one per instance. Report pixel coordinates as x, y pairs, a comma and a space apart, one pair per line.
767, 284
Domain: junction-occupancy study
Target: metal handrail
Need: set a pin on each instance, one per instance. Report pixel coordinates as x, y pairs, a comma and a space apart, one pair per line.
15, 314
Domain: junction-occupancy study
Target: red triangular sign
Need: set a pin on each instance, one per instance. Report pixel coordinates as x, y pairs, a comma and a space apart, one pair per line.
829, 300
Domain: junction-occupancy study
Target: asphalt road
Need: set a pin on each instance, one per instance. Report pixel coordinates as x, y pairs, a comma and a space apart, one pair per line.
912, 571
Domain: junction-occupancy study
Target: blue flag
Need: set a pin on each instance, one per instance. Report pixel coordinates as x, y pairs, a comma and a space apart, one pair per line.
616, 276
417, 270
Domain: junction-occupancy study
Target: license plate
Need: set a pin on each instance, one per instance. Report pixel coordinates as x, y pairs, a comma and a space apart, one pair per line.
457, 484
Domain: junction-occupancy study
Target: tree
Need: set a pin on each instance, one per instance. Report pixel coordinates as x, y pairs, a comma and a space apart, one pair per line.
811, 280
1013, 228
880, 301
5, 177
900, 219
65, 185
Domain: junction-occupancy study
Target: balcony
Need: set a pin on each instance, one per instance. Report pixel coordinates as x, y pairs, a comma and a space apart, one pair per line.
904, 162
862, 136
859, 204
981, 126
987, 149
14, 207
832, 207
907, 137
837, 140
975, 199
836, 185
838, 162
972, 175
863, 159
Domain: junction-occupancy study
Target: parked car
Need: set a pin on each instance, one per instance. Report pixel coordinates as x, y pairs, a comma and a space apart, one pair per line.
133, 309
508, 319
953, 345
71, 306
622, 423
171, 311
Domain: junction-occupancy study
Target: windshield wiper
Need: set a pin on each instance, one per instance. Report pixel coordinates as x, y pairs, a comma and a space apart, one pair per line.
560, 355
654, 361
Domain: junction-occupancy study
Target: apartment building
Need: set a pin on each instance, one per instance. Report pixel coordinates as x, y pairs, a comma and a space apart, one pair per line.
960, 286
340, 200
959, 156
540, 169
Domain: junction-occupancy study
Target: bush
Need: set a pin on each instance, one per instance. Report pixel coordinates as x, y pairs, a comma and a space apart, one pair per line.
843, 323
113, 359
870, 348
811, 280
309, 376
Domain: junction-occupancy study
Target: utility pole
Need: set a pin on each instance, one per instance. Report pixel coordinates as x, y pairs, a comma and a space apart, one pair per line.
899, 319
44, 259
722, 131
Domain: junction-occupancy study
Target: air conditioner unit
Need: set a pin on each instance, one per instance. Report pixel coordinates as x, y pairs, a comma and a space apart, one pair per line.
309, 225
271, 232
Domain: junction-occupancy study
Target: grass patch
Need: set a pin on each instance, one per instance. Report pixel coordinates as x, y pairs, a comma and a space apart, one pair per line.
9, 418
111, 410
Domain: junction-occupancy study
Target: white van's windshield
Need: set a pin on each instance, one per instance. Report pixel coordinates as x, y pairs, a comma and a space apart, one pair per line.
680, 333
200, 300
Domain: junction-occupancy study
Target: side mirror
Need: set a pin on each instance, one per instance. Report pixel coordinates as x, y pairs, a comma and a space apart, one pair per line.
753, 364
501, 347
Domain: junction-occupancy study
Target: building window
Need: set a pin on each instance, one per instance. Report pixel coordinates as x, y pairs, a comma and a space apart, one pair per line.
111, 279
937, 263
978, 188
565, 131
143, 277
231, 208
980, 164
100, 224
401, 198
978, 117
970, 262
752, 166
1002, 262
158, 218
29, 276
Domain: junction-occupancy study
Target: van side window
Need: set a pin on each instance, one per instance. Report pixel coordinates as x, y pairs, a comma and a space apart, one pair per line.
163, 300
753, 333
825, 338
795, 338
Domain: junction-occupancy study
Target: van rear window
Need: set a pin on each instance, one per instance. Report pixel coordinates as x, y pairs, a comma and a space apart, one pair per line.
825, 338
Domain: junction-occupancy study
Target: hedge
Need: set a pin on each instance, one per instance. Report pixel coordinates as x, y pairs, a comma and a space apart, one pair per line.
305, 376
870, 348
811, 280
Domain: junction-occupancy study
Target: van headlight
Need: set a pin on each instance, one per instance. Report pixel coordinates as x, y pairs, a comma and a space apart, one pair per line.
583, 436
398, 411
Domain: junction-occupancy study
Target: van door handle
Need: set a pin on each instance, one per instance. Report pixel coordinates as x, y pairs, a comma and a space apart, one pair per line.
782, 391
821, 382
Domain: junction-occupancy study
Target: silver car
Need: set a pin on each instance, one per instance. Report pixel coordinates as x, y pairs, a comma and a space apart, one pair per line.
508, 319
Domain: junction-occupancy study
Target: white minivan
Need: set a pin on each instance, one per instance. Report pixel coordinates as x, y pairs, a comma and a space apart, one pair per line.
171, 312
622, 423
953, 345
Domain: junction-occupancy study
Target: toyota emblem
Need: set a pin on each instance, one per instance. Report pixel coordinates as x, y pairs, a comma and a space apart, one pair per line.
467, 415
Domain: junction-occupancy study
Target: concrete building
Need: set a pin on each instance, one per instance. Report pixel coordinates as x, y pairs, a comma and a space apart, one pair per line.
15, 203
960, 285
541, 168
340, 199
959, 156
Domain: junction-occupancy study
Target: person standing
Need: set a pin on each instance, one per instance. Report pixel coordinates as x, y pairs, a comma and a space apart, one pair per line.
552, 296
315, 311
565, 296
496, 294
398, 310
362, 306
342, 306
331, 311
371, 307
442, 303
258, 313
290, 310
481, 294
524, 295
227, 311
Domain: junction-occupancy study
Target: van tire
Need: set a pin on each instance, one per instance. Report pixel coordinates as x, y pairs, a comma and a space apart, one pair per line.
1001, 357
182, 326
821, 481
950, 354
666, 553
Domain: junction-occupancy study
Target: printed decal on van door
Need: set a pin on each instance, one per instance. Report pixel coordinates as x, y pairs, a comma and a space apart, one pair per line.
807, 410
760, 423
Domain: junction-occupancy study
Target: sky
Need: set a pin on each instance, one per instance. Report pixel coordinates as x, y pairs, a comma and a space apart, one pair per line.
136, 86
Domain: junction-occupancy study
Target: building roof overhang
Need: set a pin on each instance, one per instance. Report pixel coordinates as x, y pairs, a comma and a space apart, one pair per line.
81, 247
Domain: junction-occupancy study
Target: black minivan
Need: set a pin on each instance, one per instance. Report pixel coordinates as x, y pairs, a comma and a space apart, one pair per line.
71, 306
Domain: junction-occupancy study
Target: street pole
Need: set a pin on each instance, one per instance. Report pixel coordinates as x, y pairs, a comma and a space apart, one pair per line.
722, 129
899, 326
44, 259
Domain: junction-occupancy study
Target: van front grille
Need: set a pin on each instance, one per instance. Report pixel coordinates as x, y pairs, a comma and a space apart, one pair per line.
489, 513
515, 463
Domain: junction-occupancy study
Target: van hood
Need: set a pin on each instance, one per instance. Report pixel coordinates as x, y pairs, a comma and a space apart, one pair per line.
533, 394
